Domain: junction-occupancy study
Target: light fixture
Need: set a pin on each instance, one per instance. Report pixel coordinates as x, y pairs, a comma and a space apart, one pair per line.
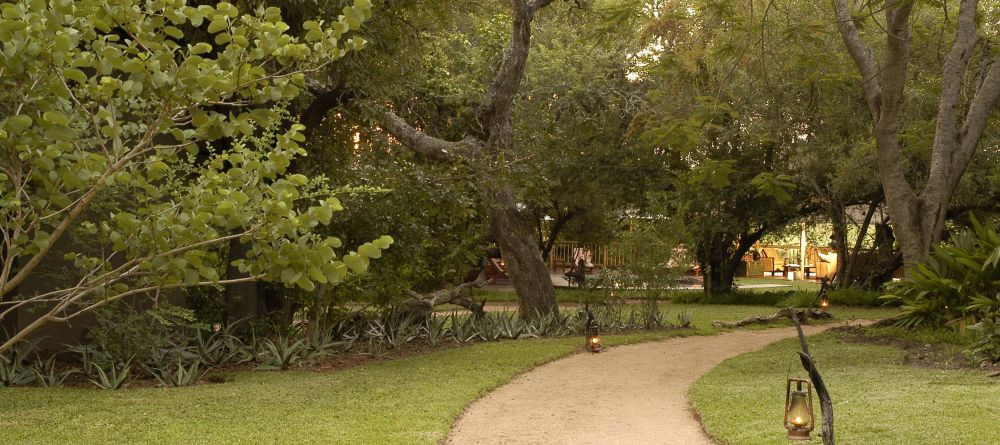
798, 409
593, 337
824, 301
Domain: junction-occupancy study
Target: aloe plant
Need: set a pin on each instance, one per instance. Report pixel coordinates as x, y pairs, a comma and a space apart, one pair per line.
48, 374
13, 366
684, 318
988, 345
464, 328
399, 330
111, 376
217, 348
179, 372
435, 330
90, 356
280, 354
511, 325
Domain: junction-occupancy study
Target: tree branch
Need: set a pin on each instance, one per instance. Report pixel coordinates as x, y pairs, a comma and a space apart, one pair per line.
426, 303
494, 113
862, 55
428, 146
945, 163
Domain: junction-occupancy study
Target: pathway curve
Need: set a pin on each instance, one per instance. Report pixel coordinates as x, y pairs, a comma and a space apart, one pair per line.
635, 394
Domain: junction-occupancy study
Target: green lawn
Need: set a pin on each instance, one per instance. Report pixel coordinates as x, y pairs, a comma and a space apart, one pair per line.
877, 399
403, 401
802, 285
576, 295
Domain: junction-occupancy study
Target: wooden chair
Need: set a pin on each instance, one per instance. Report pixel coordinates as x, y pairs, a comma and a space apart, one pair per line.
777, 262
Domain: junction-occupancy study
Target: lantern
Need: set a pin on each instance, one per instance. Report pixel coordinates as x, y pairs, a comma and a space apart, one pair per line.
593, 338
824, 301
798, 409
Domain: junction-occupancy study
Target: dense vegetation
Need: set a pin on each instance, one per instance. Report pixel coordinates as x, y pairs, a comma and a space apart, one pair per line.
187, 186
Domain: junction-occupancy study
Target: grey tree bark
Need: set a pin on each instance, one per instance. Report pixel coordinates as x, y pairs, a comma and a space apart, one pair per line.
918, 216
509, 225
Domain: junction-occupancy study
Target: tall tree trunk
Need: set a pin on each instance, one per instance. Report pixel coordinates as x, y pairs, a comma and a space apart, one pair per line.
528, 272
718, 276
918, 216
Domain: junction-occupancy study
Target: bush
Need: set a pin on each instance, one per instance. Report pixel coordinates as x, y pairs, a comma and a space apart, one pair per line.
988, 346
123, 332
958, 284
854, 296
744, 297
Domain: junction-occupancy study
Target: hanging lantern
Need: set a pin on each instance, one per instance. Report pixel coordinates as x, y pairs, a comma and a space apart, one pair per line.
799, 409
824, 301
593, 338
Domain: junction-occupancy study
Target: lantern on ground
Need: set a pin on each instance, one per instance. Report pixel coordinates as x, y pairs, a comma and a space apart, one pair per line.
798, 409
593, 337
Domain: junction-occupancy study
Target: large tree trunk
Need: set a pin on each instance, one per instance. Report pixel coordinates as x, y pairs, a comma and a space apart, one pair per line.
509, 226
718, 276
918, 216
721, 258
528, 272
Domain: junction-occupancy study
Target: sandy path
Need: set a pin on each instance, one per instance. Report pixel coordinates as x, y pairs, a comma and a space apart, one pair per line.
633, 395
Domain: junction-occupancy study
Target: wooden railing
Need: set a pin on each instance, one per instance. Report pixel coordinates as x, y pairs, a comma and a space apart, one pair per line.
601, 256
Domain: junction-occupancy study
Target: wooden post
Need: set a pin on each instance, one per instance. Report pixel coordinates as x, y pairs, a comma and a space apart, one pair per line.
825, 404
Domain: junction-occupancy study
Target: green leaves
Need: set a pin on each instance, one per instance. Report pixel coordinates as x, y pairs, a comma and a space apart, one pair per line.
123, 131
712, 173
960, 281
773, 186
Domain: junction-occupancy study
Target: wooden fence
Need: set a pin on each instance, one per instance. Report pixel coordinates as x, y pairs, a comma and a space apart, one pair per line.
602, 257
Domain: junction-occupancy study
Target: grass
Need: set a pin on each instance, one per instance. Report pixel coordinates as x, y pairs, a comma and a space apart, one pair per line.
563, 295
577, 295
411, 400
406, 401
798, 285
877, 399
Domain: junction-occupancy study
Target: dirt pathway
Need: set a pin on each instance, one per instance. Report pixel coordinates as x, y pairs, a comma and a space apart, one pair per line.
632, 395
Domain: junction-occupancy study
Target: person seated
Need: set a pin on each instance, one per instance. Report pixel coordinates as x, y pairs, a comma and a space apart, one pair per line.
577, 273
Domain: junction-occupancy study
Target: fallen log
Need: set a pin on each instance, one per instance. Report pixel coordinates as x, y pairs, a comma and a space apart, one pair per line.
784, 313
424, 303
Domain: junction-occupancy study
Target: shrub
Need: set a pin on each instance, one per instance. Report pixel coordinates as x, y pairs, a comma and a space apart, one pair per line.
958, 284
854, 296
988, 346
746, 297
123, 331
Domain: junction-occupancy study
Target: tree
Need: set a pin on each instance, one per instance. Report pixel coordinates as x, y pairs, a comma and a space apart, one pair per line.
918, 208
571, 122
509, 225
726, 114
108, 112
